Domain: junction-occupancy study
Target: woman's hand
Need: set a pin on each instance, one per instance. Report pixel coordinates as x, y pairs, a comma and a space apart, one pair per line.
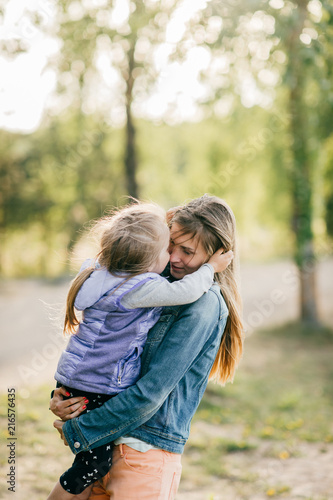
66, 408
220, 261
58, 424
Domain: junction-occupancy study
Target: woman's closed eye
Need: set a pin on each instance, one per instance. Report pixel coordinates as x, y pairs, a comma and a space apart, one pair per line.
187, 250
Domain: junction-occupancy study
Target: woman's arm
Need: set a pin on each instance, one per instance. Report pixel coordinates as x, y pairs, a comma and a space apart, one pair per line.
175, 354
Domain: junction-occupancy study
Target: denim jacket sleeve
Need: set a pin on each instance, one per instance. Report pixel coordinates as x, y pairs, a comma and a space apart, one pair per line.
177, 350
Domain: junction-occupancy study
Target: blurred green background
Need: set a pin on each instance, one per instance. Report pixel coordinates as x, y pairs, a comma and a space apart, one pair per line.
166, 100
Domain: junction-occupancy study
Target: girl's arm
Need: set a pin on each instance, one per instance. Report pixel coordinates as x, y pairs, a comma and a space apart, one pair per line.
159, 292
174, 356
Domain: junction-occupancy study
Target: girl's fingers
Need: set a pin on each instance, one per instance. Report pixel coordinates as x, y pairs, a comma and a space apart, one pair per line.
221, 250
220, 260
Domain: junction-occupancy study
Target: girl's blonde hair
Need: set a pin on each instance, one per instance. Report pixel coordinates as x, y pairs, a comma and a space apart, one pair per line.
130, 243
213, 222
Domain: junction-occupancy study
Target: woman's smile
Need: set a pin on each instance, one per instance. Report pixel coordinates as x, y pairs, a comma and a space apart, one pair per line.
175, 269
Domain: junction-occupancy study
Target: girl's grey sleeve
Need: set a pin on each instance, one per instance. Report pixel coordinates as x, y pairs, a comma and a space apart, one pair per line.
159, 292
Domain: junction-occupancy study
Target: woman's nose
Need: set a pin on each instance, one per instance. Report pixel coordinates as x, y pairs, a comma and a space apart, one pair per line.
174, 255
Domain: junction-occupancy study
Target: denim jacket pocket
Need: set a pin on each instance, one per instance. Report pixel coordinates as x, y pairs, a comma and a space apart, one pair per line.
167, 318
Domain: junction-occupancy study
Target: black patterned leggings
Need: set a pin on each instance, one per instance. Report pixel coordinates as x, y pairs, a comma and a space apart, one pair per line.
88, 466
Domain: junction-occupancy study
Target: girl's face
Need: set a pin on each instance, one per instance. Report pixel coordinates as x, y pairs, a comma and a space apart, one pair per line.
186, 254
163, 258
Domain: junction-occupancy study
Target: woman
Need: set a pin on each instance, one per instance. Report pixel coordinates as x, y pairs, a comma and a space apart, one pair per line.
188, 345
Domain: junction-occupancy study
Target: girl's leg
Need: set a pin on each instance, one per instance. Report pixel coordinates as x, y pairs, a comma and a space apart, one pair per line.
58, 493
153, 475
87, 467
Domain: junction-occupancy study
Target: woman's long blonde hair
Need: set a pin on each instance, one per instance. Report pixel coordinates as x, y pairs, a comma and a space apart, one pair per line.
213, 222
130, 243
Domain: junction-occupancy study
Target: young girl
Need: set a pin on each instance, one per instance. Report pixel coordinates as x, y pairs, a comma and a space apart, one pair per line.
121, 295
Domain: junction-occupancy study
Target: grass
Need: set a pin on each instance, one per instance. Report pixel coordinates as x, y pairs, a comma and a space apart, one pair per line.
278, 392
280, 402
279, 407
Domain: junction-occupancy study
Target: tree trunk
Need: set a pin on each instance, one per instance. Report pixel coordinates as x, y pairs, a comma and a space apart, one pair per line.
308, 290
300, 177
131, 152
2, 248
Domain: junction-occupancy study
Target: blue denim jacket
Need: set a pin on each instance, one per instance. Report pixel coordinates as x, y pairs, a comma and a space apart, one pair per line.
176, 362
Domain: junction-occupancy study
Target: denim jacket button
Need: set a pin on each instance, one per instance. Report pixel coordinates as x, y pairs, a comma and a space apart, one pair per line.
77, 444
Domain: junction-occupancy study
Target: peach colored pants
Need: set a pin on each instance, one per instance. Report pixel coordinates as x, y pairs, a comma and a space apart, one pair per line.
153, 475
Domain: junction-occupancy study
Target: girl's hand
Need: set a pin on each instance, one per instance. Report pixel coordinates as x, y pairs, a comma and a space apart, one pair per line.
58, 424
66, 408
220, 261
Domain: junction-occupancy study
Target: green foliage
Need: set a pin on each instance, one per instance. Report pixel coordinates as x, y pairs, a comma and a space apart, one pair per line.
71, 171
266, 160
243, 169
290, 43
56, 180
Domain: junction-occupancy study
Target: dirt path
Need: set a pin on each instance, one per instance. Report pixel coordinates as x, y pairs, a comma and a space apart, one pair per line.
31, 315
305, 477
31, 340
308, 475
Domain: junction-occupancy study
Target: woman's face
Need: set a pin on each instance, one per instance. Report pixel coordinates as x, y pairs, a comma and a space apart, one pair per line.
186, 254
